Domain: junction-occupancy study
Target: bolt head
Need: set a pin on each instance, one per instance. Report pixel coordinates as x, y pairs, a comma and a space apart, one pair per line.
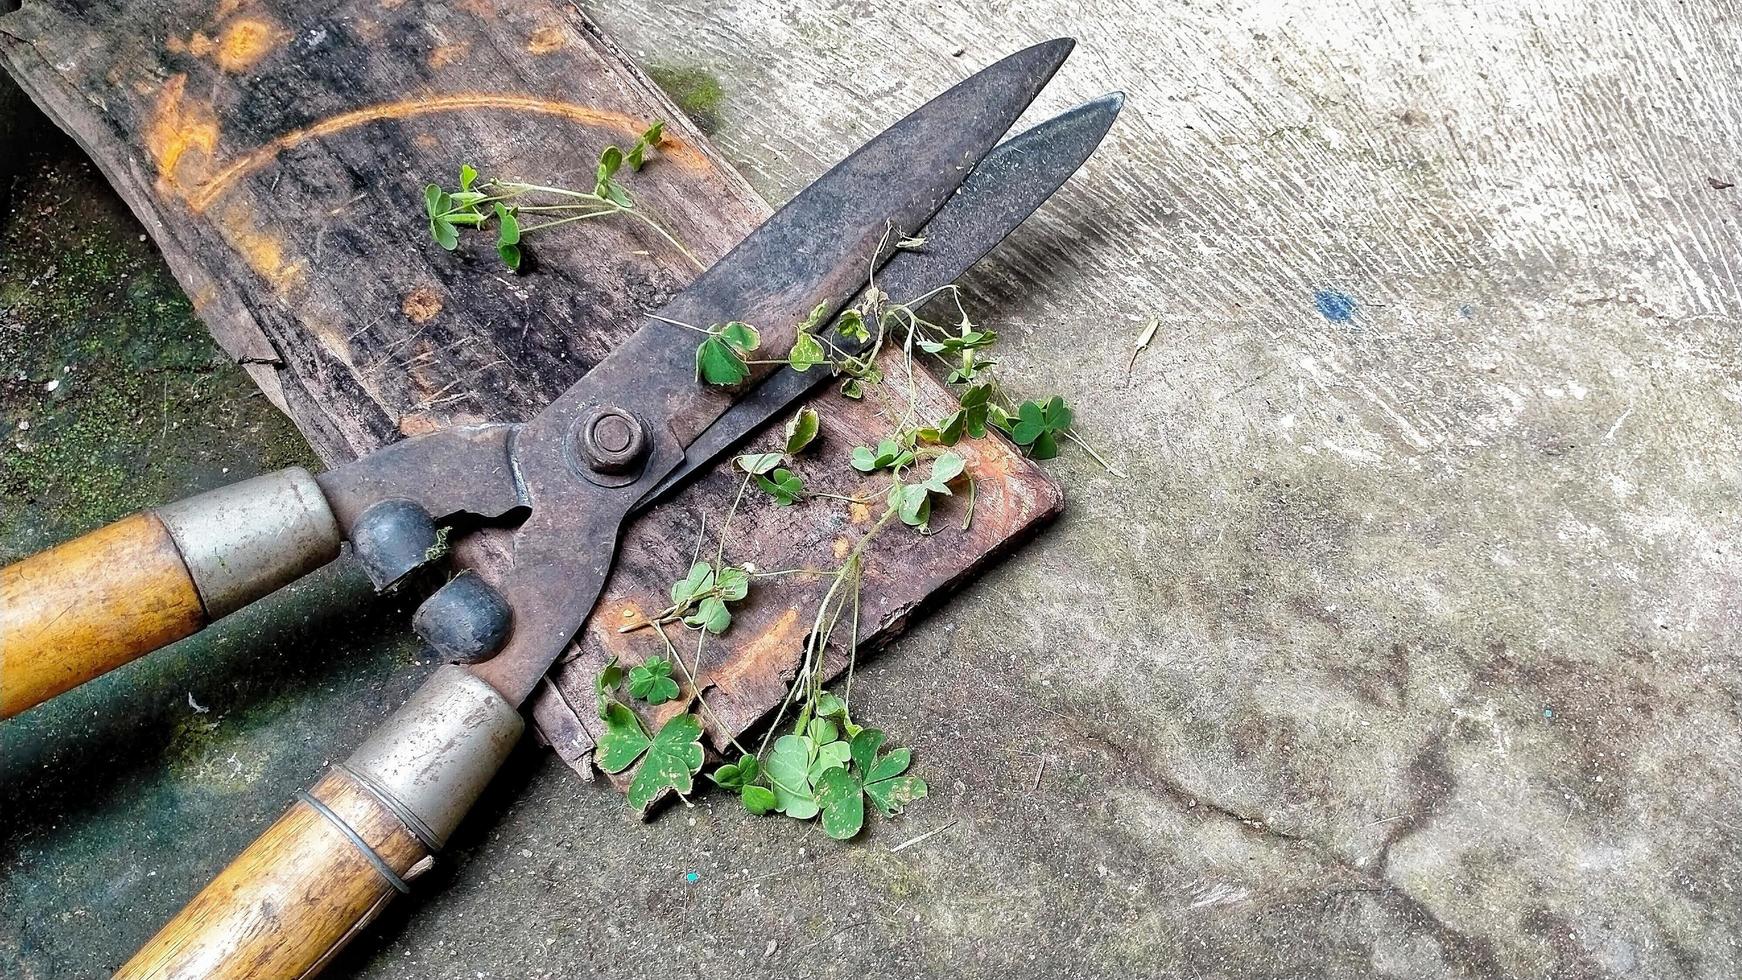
611, 440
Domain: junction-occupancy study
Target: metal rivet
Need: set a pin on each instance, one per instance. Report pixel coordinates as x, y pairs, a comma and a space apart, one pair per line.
610, 440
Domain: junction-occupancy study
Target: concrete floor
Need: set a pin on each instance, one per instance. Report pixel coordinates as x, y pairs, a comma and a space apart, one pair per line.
1408, 647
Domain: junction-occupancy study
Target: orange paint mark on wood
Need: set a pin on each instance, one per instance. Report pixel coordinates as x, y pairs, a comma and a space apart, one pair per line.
858, 513
675, 151
181, 137
841, 546
547, 39
780, 644
262, 250
246, 41
421, 305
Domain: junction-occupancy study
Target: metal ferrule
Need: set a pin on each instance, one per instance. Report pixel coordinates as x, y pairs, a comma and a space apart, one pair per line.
248, 539
429, 762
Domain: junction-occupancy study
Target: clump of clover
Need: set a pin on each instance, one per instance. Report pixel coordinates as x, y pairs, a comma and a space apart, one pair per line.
520, 209
825, 765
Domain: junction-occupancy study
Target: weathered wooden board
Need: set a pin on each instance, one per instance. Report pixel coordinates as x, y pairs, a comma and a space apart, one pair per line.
276, 151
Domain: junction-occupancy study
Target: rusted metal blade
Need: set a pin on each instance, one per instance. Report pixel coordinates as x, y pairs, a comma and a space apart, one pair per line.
1008, 185
462, 470
817, 250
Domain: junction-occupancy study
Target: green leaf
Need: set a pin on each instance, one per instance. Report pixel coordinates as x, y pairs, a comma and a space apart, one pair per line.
1058, 416
829, 756
881, 777
788, 768
734, 583
651, 682
609, 677
743, 337
718, 364
735, 775
711, 615
814, 318
623, 741
700, 579
466, 199
510, 256
507, 226
944, 469
823, 731
852, 326
646, 141
1044, 447
912, 502
443, 232
802, 429
467, 174
614, 192
865, 746
674, 755
807, 352
432, 200
759, 463
864, 460
853, 389
785, 486
891, 795
610, 161
889, 766
841, 798
758, 799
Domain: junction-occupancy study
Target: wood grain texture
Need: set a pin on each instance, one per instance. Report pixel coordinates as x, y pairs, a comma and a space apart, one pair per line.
291, 900
277, 153
83, 608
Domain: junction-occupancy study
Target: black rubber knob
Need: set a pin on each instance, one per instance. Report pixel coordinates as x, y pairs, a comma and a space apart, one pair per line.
465, 621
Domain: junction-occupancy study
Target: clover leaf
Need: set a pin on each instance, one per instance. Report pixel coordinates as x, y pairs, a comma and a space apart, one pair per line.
700, 580
784, 486
646, 141
969, 420
701, 596
757, 464
609, 677
801, 430
737, 775
1038, 425
623, 741
889, 454
508, 237
851, 325
720, 360
788, 767
651, 682
807, 352
674, 755
711, 614
841, 791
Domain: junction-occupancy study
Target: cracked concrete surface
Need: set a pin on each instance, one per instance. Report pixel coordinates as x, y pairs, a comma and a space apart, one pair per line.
1407, 646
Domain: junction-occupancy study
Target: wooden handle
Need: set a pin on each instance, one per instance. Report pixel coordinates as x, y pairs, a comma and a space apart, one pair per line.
82, 609
291, 900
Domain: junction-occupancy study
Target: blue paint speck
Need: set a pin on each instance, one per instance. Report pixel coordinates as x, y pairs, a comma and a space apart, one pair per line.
1548, 713
1466, 311
692, 877
1335, 305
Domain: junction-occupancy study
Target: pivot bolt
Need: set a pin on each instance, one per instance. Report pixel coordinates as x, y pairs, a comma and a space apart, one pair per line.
610, 440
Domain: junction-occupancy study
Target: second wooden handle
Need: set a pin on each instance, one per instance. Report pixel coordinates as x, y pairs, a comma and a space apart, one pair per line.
292, 899
90, 605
